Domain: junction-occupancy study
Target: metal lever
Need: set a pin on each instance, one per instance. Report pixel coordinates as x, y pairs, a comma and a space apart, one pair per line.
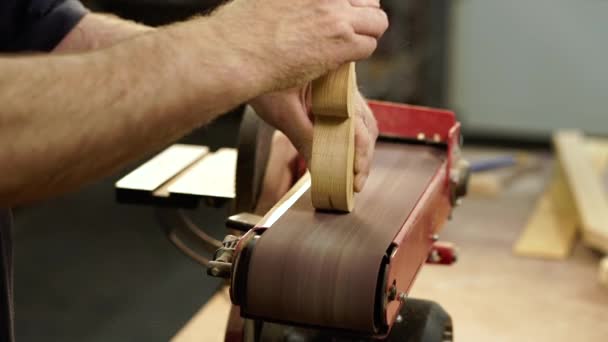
243, 221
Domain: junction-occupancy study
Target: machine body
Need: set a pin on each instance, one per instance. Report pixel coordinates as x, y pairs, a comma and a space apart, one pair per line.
372, 270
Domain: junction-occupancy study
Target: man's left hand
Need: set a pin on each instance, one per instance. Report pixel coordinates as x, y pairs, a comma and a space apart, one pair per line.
289, 111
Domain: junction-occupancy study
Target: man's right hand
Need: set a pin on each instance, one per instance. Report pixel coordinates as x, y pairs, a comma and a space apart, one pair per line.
296, 41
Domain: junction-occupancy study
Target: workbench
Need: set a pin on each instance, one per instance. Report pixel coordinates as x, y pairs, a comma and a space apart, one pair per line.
490, 293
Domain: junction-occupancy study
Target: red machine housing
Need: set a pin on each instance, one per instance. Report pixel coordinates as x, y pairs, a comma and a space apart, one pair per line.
416, 242
416, 239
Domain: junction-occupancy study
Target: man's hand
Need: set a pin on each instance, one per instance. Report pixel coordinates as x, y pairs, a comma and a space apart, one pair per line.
295, 42
289, 111
281, 173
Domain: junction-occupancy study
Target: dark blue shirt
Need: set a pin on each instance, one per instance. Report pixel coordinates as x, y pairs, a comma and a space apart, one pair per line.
36, 25
27, 25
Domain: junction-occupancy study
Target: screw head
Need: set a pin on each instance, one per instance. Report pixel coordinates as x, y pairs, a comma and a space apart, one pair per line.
399, 319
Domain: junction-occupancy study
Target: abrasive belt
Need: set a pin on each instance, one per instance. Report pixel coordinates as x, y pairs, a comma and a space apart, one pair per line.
322, 269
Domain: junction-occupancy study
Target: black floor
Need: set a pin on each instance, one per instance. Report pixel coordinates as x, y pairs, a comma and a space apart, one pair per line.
88, 269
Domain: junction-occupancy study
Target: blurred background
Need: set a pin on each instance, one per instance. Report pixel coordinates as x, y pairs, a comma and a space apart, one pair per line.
88, 269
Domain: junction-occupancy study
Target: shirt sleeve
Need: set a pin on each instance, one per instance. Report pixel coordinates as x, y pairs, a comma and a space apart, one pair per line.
47, 22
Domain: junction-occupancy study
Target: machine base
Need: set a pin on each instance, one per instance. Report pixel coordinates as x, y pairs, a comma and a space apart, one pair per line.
421, 321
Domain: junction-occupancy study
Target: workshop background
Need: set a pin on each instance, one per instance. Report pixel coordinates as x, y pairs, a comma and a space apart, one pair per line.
515, 72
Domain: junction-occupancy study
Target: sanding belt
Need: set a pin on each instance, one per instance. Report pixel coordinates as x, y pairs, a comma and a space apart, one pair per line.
321, 269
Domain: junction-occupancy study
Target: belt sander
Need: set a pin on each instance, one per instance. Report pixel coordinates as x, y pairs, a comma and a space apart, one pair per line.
349, 274
298, 274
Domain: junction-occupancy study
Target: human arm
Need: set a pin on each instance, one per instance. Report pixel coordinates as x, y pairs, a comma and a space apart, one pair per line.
68, 119
288, 110
95, 31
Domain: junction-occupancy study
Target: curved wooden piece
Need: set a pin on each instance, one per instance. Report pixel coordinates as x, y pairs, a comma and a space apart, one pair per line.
333, 148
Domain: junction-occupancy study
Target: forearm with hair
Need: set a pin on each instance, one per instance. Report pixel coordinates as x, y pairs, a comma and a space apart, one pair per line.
97, 31
68, 119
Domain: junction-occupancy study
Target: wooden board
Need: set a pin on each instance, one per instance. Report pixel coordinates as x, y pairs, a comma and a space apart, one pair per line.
597, 149
163, 167
212, 176
552, 228
333, 148
586, 187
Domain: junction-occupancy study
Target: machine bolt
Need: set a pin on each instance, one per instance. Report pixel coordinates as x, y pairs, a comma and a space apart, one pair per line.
215, 272
402, 296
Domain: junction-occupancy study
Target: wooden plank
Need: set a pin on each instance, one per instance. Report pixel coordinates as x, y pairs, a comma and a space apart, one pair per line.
597, 149
333, 148
209, 324
587, 191
164, 166
551, 230
213, 176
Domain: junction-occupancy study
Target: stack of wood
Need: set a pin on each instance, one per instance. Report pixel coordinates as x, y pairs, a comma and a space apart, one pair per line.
575, 201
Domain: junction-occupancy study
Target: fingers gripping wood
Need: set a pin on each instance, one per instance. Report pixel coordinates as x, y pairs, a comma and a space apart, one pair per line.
333, 148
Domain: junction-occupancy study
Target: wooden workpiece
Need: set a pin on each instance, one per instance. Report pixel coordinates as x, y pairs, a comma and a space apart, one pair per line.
333, 148
586, 187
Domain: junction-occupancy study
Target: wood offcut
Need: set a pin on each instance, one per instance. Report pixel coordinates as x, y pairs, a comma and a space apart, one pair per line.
551, 231
333, 148
585, 185
553, 225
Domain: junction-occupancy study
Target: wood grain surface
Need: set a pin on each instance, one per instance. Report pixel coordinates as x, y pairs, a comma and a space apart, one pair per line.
553, 226
585, 184
322, 269
163, 167
333, 148
551, 230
